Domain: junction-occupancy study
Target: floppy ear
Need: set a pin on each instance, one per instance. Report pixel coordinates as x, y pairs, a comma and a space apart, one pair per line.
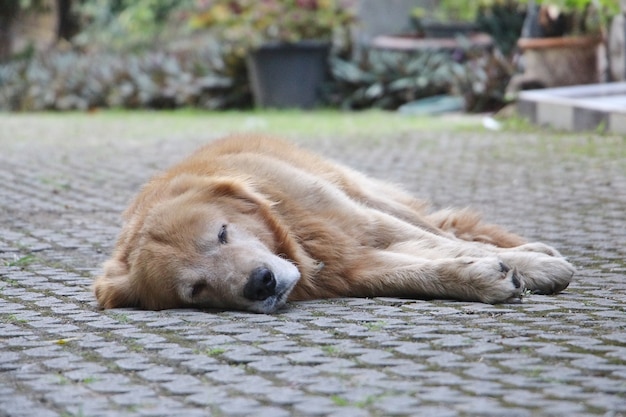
114, 288
208, 188
240, 190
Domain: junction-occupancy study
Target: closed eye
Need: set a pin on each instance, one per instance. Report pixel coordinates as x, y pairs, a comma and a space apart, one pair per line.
222, 236
197, 288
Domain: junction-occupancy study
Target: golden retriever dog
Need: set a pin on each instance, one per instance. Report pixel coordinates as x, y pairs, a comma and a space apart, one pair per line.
249, 222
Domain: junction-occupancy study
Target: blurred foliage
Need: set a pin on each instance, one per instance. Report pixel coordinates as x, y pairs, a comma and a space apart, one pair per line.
13, 6
127, 24
252, 22
449, 11
126, 57
554, 18
503, 20
205, 79
157, 80
387, 80
10, 10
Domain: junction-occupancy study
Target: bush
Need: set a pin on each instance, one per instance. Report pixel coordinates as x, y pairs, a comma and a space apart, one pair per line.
503, 20
387, 80
216, 78
127, 24
157, 80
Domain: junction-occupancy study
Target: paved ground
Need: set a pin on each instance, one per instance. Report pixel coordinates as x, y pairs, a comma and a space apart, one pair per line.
61, 192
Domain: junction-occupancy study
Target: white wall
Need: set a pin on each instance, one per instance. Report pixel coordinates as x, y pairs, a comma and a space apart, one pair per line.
386, 17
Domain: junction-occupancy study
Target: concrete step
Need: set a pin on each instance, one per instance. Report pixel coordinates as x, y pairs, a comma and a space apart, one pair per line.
575, 108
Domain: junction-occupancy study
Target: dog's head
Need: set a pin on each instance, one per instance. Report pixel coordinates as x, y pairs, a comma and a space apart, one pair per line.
199, 242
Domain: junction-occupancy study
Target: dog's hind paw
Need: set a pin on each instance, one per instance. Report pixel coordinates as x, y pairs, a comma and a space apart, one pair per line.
541, 273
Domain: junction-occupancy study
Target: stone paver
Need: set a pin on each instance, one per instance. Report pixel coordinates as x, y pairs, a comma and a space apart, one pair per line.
550, 356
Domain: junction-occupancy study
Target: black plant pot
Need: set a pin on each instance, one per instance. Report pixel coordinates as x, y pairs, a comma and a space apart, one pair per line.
436, 29
288, 75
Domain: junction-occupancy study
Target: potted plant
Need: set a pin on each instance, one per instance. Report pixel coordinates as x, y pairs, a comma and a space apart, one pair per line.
560, 42
285, 43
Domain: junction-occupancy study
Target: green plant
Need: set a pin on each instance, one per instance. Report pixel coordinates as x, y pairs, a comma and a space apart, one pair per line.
244, 25
78, 413
553, 18
342, 402
12, 318
448, 11
22, 262
135, 347
339, 401
376, 326
126, 24
122, 318
331, 350
503, 20
62, 380
248, 23
454, 10
158, 80
386, 80
89, 380
214, 351
609, 6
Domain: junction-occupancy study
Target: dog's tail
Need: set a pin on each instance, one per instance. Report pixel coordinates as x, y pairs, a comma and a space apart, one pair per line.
468, 225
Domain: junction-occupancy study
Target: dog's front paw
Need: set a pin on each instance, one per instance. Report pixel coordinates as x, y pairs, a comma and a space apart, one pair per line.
541, 273
490, 280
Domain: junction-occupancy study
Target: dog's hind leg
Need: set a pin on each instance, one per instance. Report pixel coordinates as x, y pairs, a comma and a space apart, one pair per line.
468, 225
391, 274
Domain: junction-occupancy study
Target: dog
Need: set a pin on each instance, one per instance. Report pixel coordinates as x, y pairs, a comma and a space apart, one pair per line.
250, 222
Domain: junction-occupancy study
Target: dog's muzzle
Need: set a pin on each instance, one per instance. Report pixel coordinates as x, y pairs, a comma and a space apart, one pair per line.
261, 285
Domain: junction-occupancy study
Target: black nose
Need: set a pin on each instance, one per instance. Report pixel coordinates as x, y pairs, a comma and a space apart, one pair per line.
261, 285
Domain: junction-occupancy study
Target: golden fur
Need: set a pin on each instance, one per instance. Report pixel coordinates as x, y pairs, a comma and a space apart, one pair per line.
248, 222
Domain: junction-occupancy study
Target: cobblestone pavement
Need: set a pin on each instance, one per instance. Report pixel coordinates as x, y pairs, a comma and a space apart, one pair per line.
60, 202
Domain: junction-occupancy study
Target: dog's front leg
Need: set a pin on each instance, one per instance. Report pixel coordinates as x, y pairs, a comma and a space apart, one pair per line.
391, 274
539, 267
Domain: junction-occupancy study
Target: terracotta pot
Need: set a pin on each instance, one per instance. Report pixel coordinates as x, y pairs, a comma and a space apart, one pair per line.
561, 61
411, 43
